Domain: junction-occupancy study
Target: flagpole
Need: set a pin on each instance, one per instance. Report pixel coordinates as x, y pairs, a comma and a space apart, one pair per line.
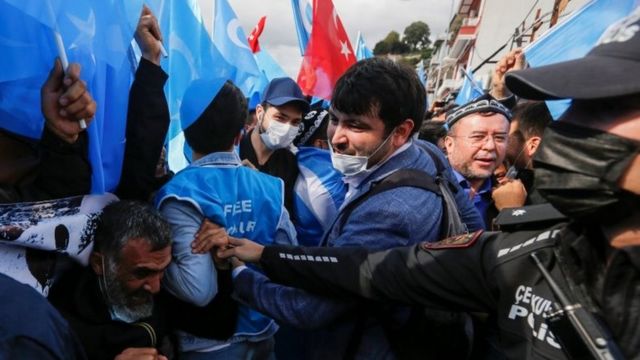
62, 53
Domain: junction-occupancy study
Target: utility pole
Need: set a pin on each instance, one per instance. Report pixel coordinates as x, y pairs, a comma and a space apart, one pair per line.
558, 8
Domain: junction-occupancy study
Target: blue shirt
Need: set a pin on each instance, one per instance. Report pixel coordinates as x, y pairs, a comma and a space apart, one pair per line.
192, 277
482, 199
397, 217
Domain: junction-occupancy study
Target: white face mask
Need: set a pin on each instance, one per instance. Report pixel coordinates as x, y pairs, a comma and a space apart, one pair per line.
278, 135
352, 165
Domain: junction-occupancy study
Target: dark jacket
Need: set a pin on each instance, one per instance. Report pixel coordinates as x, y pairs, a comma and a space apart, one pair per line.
282, 164
491, 273
60, 170
30, 328
78, 298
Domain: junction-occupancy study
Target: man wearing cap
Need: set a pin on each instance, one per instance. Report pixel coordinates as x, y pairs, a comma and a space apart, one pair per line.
267, 146
588, 167
216, 187
476, 144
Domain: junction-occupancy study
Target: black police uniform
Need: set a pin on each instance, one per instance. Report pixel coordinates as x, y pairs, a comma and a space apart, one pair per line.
490, 272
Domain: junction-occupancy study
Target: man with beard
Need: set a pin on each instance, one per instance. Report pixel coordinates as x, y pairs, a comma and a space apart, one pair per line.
475, 145
588, 167
110, 305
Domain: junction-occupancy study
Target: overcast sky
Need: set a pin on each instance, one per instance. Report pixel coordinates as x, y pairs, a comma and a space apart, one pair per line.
374, 18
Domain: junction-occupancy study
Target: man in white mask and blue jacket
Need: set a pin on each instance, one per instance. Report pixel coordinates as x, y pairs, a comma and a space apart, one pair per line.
268, 146
377, 106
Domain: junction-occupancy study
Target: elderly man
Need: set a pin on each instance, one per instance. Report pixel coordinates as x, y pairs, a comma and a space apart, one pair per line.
110, 305
588, 167
476, 144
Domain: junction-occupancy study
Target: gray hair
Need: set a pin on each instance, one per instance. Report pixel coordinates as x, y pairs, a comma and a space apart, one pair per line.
125, 220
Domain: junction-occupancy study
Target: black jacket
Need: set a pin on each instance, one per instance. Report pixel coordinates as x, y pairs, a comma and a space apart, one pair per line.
491, 273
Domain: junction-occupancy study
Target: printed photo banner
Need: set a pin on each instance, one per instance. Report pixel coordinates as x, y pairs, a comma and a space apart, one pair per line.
35, 236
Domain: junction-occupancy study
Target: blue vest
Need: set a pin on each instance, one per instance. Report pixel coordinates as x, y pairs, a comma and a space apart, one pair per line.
318, 194
245, 202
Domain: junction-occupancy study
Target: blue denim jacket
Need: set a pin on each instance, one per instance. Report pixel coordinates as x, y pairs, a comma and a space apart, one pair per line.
396, 217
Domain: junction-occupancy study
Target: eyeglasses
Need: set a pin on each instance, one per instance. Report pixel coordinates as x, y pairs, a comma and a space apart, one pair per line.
481, 139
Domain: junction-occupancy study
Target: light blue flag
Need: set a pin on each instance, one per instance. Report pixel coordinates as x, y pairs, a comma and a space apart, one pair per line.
96, 34
303, 17
192, 56
270, 70
232, 42
422, 75
470, 89
319, 192
362, 51
574, 37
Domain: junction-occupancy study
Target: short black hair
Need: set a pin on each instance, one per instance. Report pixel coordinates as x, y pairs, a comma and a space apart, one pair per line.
124, 220
532, 117
432, 131
220, 122
382, 88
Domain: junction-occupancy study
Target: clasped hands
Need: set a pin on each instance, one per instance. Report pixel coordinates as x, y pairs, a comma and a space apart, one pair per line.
225, 250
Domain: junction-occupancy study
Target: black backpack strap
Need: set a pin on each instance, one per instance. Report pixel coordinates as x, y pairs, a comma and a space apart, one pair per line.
402, 177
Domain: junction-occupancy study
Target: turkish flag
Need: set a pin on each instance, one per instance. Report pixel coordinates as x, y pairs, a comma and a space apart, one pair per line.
255, 34
329, 53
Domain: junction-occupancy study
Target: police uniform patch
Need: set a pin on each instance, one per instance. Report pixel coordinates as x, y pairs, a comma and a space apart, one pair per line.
453, 242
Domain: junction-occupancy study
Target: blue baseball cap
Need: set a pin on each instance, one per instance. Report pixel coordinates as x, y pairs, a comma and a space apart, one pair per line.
284, 90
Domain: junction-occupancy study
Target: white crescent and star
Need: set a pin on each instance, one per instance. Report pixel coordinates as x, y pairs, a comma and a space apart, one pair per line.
344, 49
232, 32
86, 29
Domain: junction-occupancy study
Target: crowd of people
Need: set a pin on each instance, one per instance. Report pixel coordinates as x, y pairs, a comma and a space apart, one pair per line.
368, 229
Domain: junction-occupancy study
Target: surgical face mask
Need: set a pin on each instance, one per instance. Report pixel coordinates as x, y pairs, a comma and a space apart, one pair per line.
352, 165
577, 170
278, 135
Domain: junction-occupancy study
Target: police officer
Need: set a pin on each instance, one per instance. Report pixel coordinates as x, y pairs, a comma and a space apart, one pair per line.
588, 167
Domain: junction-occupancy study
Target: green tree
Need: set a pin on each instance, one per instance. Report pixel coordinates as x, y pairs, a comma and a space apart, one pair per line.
391, 44
417, 35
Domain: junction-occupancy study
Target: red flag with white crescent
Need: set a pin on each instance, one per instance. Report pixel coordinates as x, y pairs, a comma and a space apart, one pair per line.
329, 53
255, 34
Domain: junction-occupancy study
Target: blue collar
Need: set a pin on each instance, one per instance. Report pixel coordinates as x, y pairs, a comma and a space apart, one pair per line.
486, 185
223, 158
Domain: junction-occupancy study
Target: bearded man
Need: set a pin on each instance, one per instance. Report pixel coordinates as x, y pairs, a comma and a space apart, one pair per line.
110, 304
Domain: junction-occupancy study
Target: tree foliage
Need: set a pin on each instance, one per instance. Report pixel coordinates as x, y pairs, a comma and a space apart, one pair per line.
416, 35
391, 44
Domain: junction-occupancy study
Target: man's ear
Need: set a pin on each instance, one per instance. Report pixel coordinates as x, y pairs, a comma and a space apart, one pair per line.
532, 145
237, 139
448, 143
95, 260
403, 132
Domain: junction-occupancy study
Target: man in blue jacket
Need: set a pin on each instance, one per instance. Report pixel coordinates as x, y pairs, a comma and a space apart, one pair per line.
377, 107
247, 203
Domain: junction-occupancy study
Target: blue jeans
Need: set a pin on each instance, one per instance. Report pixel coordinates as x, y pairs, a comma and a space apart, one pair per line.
247, 350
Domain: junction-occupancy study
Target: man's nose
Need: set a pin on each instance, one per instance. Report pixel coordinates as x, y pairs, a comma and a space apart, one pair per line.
489, 143
152, 284
339, 140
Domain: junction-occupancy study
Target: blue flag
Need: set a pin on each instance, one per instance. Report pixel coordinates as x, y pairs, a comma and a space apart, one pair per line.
270, 70
362, 51
232, 42
318, 195
192, 56
96, 34
574, 37
422, 75
303, 17
469, 90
